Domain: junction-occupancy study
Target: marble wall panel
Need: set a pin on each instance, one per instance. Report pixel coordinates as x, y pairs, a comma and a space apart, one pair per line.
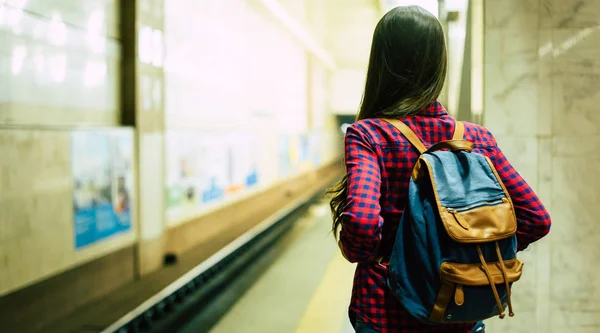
578, 14
36, 211
566, 76
522, 15
576, 81
511, 67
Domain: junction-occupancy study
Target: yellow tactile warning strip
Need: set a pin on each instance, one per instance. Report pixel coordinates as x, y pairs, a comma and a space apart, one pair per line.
276, 302
327, 310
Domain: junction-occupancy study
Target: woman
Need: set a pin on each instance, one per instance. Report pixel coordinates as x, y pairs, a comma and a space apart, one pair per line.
406, 73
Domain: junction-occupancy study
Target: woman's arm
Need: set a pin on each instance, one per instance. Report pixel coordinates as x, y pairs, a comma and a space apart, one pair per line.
362, 222
533, 221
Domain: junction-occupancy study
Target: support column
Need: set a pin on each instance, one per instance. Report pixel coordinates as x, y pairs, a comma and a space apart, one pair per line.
443, 17
143, 107
541, 102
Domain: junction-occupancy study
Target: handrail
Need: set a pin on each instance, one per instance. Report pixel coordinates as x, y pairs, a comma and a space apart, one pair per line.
208, 263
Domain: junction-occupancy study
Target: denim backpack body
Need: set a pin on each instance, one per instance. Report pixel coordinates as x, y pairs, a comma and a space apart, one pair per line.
454, 257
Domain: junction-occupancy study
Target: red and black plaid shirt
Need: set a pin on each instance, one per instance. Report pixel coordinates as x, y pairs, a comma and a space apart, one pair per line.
379, 161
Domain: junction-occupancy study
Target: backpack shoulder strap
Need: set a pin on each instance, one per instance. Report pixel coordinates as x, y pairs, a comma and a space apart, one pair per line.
408, 133
459, 131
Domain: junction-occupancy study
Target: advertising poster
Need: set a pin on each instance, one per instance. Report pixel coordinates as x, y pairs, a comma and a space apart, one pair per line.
242, 162
285, 161
315, 142
206, 167
215, 167
296, 154
304, 160
102, 166
183, 173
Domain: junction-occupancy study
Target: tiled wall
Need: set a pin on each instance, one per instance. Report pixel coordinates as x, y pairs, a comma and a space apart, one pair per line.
37, 237
256, 82
253, 74
59, 70
230, 65
542, 91
59, 63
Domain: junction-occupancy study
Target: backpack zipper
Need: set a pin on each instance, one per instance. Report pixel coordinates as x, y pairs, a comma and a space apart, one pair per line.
477, 205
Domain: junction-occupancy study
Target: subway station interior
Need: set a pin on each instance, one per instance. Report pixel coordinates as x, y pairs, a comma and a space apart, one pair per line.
164, 163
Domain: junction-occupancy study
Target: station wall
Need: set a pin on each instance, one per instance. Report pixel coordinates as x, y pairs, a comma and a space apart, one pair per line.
541, 98
245, 110
60, 68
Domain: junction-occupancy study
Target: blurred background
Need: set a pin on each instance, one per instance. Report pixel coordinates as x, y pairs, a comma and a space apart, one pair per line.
163, 163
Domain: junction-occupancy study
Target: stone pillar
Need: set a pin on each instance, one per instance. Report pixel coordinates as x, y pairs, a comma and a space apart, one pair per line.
542, 91
143, 107
443, 17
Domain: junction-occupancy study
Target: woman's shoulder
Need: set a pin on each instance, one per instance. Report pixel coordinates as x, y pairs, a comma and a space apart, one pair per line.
375, 130
378, 131
479, 134
370, 125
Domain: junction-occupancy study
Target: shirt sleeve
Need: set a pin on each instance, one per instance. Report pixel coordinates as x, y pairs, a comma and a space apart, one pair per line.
361, 220
533, 220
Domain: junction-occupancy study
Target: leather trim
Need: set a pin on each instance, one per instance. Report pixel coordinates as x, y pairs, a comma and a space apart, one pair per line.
418, 170
459, 131
452, 145
459, 295
408, 133
441, 303
473, 274
482, 224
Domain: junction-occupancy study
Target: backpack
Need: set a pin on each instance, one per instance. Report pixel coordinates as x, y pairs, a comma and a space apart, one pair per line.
455, 254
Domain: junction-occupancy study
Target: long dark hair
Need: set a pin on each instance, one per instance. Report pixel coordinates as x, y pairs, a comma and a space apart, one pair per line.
406, 73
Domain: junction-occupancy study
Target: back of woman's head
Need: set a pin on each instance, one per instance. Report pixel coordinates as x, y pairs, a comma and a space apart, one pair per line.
407, 66
407, 70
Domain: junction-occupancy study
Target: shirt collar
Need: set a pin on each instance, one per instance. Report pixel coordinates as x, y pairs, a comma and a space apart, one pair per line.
434, 109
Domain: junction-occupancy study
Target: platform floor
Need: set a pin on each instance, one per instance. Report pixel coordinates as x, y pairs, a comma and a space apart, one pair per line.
306, 289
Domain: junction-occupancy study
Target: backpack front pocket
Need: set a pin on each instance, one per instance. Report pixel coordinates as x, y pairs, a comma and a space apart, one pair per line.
480, 222
466, 294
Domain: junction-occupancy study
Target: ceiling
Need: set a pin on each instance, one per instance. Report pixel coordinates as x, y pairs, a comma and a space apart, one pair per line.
349, 29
